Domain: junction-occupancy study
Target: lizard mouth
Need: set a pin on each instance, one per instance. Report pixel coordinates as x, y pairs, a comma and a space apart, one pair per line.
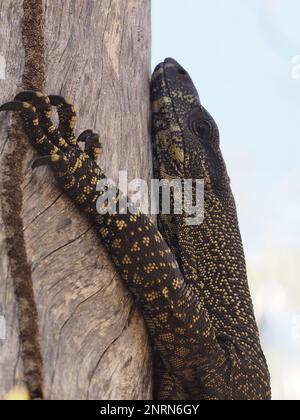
169, 63
173, 97
173, 92
167, 133
159, 87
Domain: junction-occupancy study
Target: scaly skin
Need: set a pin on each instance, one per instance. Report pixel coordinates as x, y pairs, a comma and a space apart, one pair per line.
197, 308
210, 255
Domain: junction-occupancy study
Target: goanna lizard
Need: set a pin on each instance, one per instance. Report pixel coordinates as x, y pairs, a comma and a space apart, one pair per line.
190, 281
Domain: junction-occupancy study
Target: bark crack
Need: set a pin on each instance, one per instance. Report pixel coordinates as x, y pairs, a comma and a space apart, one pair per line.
4, 145
43, 211
68, 320
125, 327
67, 276
60, 248
102, 59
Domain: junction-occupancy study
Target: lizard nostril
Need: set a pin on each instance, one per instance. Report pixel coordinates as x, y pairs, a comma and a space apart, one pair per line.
181, 71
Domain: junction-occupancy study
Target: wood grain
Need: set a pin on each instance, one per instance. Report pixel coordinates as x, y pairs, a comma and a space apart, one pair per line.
94, 343
11, 369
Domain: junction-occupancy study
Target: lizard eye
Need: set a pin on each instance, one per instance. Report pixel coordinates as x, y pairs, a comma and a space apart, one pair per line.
182, 71
201, 128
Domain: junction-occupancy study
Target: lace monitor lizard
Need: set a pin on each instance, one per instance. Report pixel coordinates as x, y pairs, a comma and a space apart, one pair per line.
190, 281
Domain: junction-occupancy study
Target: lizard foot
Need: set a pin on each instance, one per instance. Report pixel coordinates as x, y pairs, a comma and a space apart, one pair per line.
74, 168
36, 110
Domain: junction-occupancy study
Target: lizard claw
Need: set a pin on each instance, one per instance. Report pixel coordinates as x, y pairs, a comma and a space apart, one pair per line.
41, 161
56, 100
14, 106
85, 136
38, 98
93, 146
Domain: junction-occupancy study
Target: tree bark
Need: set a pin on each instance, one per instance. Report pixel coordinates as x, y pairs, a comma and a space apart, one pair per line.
94, 344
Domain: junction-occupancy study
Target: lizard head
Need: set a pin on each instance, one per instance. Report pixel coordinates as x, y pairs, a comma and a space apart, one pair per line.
185, 136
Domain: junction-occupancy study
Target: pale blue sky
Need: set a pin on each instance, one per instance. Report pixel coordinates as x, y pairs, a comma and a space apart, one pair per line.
239, 54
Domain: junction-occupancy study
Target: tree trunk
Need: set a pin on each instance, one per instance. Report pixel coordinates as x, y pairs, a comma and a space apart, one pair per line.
93, 341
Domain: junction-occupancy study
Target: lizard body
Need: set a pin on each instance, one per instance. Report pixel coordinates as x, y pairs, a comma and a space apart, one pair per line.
190, 282
210, 255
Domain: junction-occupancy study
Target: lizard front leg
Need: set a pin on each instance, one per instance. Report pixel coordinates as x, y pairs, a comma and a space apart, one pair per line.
179, 325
